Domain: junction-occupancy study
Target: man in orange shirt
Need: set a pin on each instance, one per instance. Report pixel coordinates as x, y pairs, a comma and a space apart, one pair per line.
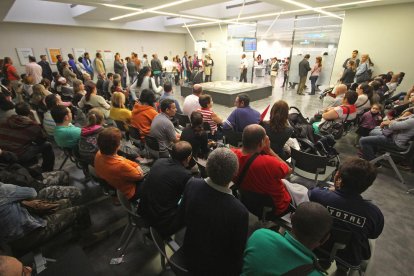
120, 173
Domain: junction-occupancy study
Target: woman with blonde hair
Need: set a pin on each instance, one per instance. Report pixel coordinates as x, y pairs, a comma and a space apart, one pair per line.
278, 128
78, 91
316, 71
38, 96
118, 111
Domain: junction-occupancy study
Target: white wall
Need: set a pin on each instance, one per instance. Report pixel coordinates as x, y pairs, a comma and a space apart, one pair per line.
273, 48
40, 37
385, 33
217, 40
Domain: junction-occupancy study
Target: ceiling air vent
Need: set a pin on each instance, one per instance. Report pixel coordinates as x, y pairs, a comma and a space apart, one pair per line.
134, 6
241, 4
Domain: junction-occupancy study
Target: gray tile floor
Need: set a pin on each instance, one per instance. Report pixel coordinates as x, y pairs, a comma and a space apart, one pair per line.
394, 253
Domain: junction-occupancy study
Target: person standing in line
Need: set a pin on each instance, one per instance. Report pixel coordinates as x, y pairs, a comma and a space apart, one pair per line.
59, 64
208, 68
86, 61
243, 68
274, 68
118, 65
145, 62
34, 70
316, 71
132, 70
185, 67
156, 67
304, 68
353, 58
46, 70
99, 66
72, 64
285, 70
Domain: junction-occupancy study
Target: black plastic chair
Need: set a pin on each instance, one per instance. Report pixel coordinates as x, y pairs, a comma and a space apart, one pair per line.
207, 127
339, 240
389, 152
135, 222
262, 206
121, 126
310, 166
232, 138
135, 137
183, 119
176, 261
152, 146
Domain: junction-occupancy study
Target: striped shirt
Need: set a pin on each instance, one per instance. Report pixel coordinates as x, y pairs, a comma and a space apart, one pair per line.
207, 114
48, 123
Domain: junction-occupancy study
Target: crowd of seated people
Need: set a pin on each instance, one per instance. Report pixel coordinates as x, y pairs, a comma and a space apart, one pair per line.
171, 196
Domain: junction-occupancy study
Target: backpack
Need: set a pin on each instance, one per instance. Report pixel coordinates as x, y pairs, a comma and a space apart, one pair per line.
88, 147
336, 129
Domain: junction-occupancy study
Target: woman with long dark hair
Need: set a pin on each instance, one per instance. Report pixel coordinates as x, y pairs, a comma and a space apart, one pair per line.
92, 99
278, 128
316, 71
144, 81
196, 136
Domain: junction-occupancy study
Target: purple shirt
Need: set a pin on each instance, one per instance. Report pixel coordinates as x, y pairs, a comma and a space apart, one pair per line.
242, 117
369, 120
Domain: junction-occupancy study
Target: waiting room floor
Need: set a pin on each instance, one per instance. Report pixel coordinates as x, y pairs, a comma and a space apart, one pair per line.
394, 252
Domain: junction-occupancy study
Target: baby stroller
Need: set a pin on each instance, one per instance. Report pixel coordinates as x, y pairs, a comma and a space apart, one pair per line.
302, 128
309, 141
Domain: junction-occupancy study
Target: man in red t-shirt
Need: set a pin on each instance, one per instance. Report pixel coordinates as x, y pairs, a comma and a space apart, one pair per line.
265, 173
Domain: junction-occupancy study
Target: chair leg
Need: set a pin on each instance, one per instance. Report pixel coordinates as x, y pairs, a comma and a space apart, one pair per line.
386, 156
394, 167
125, 245
64, 162
124, 234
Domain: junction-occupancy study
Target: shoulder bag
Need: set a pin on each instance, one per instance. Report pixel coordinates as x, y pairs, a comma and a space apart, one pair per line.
243, 173
333, 127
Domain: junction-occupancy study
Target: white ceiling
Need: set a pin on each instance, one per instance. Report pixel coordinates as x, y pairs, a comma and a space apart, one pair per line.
274, 18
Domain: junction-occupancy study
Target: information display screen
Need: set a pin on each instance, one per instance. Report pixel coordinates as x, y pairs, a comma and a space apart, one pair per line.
250, 44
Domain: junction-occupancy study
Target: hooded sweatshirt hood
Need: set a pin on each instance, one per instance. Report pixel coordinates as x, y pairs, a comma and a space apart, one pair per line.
139, 108
91, 130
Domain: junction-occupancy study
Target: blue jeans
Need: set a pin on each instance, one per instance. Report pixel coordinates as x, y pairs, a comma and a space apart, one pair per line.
313, 80
370, 144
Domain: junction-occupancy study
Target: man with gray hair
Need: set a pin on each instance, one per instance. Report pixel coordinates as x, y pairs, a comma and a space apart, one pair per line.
216, 221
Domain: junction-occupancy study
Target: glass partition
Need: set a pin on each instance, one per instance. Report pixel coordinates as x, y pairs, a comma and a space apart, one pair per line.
317, 36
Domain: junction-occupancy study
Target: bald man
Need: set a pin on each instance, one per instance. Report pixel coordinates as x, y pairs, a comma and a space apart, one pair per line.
10, 266
191, 102
265, 174
339, 92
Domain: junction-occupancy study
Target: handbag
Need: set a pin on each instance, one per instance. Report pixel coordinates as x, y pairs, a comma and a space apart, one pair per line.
40, 207
333, 127
364, 76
